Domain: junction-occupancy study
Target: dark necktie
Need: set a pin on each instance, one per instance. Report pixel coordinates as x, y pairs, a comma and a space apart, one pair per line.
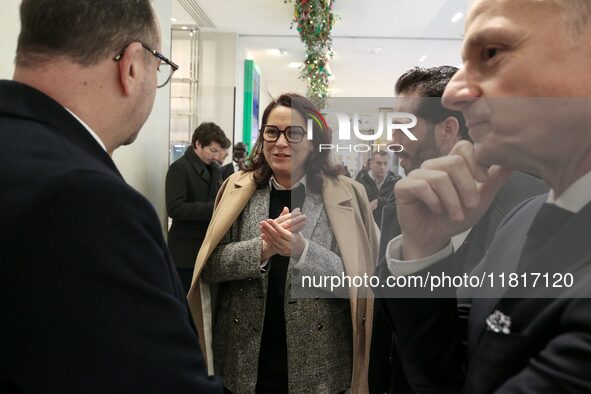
548, 220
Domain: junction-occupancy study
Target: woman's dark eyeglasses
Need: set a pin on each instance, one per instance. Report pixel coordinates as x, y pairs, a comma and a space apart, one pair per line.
166, 67
293, 134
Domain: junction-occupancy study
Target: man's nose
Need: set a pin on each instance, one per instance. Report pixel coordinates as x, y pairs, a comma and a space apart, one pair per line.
459, 92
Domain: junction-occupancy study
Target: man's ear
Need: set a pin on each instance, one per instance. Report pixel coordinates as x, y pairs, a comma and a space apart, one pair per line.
447, 134
129, 68
451, 128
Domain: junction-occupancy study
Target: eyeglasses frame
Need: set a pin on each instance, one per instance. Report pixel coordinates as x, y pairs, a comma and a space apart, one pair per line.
262, 131
173, 66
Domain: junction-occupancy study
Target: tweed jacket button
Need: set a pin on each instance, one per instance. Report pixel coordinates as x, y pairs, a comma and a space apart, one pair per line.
320, 326
236, 321
241, 290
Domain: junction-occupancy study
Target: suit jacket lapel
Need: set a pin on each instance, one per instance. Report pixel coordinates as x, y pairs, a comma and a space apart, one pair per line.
198, 165
502, 257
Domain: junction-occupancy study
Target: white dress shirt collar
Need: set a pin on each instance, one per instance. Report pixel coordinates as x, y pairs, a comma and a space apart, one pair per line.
575, 197
373, 178
92, 133
277, 186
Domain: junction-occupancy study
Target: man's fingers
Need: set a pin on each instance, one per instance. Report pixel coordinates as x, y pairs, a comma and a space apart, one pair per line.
458, 170
418, 189
442, 185
465, 149
497, 176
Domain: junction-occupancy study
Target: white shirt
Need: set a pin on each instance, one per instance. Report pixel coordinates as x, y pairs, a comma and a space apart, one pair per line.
573, 199
373, 178
92, 133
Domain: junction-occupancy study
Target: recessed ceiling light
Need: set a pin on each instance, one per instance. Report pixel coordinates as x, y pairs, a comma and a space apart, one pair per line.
278, 52
173, 19
423, 58
295, 64
457, 16
184, 27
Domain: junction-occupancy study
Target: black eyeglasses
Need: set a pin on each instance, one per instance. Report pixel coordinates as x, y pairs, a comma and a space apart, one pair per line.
293, 134
166, 67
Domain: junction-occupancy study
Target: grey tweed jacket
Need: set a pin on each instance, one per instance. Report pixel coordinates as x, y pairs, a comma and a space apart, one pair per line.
319, 330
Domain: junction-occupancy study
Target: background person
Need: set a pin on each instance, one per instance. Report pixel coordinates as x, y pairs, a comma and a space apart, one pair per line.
239, 153
263, 339
192, 182
89, 298
379, 183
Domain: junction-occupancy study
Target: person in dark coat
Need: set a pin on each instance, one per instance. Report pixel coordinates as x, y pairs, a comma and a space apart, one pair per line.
89, 299
379, 183
238, 156
192, 182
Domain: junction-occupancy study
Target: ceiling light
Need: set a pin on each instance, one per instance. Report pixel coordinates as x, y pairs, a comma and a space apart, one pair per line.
173, 19
184, 27
295, 65
374, 50
423, 58
456, 18
278, 52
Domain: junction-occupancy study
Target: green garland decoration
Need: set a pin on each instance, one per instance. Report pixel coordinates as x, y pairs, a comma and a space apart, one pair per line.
314, 21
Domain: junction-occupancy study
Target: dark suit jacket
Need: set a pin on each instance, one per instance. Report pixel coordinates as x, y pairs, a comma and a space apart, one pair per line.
89, 299
386, 372
549, 347
227, 170
191, 188
384, 194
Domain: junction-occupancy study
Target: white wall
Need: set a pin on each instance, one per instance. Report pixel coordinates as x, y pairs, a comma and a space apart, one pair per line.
9, 29
217, 79
145, 162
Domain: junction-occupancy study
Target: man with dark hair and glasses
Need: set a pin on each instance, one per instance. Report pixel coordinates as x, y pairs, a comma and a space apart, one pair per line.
89, 299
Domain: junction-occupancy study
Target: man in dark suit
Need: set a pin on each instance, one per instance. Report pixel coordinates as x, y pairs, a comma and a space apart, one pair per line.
89, 298
438, 129
518, 55
238, 156
379, 183
192, 183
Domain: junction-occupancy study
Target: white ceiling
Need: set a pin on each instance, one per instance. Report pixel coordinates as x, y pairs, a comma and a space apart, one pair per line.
406, 33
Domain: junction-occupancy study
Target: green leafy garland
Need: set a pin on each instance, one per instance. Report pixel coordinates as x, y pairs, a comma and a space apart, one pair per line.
314, 20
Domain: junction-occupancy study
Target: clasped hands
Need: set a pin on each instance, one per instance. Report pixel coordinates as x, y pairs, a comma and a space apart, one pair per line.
282, 235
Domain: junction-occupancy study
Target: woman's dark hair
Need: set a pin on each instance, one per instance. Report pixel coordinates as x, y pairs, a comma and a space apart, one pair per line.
318, 163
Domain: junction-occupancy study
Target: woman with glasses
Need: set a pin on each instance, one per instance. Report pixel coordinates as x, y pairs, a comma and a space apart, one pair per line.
286, 216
